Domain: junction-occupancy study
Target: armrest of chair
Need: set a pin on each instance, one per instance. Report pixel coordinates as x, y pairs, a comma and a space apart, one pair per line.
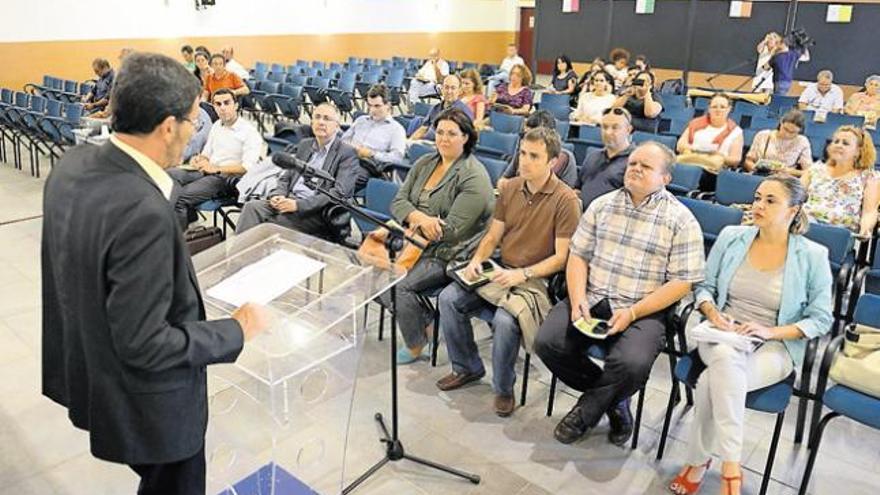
840, 285
827, 359
705, 196
492, 151
557, 288
683, 316
807, 368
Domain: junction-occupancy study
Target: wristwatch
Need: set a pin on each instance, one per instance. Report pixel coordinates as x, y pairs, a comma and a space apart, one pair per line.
528, 273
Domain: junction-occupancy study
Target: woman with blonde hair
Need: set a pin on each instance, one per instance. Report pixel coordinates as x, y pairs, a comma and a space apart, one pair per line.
767, 281
845, 189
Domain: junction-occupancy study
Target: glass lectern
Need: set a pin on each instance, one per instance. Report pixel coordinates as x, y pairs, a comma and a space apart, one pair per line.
275, 413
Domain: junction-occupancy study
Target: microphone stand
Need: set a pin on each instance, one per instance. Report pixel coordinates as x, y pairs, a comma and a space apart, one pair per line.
393, 446
727, 70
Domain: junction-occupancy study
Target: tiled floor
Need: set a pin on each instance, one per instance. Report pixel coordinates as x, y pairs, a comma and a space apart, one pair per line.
41, 453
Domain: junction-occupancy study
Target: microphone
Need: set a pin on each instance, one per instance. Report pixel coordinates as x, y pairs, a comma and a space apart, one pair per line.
288, 161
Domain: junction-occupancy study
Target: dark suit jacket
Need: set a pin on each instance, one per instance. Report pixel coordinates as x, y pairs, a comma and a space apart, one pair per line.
125, 343
341, 162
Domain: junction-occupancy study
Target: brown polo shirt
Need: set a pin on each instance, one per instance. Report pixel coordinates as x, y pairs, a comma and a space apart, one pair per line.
533, 221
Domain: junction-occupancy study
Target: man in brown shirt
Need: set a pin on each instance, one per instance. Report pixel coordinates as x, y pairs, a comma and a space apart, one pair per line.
535, 216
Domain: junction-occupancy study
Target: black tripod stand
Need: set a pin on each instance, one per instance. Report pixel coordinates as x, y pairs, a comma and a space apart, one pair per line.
394, 450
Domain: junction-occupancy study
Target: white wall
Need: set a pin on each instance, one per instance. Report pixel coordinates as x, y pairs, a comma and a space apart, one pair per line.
44, 20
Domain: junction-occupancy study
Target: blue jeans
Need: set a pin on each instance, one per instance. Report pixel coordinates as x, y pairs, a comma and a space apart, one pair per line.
457, 306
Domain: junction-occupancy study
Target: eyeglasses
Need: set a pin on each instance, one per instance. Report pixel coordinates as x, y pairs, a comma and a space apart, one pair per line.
196, 123
618, 111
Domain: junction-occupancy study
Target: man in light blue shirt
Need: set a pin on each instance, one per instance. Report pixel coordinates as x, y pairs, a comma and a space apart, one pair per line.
377, 137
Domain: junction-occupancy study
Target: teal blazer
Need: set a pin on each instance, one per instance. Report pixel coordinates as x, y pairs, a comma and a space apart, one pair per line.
806, 282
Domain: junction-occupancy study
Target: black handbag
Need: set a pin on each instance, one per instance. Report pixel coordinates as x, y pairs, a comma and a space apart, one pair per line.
201, 238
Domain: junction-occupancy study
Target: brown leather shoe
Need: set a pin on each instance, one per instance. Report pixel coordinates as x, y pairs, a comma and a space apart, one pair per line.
504, 405
455, 380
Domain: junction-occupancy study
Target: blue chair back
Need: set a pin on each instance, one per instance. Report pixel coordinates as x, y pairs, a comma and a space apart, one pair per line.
508, 124
712, 218
839, 119
261, 67
760, 123
278, 77
416, 150
297, 79
269, 86
640, 137
838, 240
868, 310
73, 113
6, 96
422, 109
394, 79
735, 187
276, 68
674, 101
558, 105
70, 86
498, 141
37, 104
494, 167
313, 72
346, 83
685, 178
54, 108
317, 64
292, 90
21, 99
590, 133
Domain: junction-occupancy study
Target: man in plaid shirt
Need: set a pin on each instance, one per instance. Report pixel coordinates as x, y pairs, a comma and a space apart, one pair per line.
639, 250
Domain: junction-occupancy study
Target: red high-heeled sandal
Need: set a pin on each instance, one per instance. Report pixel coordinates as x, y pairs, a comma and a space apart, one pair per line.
728, 480
681, 485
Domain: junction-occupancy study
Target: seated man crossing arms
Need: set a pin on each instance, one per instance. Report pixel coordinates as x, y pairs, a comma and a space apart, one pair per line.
535, 216
639, 250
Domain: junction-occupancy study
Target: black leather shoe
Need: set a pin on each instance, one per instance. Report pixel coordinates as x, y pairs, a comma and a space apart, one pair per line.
621, 421
572, 427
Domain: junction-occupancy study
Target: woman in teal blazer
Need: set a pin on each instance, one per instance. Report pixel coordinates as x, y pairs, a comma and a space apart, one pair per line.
768, 281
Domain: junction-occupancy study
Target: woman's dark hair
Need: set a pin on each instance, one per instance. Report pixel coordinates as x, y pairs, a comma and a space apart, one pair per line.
794, 116
464, 123
200, 53
564, 59
645, 72
618, 54
541, 118
148, 89
797, 196
203, 49
186, 49
608, 79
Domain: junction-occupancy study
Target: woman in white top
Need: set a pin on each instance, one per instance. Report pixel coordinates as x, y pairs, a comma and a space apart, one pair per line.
763, 80
597, 96
713, 141
783, 148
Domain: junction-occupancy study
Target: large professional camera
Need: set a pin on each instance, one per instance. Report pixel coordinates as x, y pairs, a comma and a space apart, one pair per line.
799, 38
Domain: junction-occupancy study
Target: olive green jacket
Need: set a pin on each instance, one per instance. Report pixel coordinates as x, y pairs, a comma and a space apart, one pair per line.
464, 199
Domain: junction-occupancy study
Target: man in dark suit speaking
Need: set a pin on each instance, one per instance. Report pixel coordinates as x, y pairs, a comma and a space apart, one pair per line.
125, 341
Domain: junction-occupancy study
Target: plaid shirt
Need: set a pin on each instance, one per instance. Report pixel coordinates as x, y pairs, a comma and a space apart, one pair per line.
633, 250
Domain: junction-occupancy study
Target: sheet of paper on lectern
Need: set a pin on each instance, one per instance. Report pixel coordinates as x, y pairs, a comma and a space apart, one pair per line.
264, 280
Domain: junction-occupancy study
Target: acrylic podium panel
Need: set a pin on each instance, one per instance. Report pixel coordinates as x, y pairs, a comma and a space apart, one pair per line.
268, 410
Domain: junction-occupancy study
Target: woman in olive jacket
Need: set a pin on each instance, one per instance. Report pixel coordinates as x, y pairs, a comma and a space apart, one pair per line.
447, 199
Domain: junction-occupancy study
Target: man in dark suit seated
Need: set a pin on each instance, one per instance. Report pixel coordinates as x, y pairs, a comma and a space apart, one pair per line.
125, 341
293, 204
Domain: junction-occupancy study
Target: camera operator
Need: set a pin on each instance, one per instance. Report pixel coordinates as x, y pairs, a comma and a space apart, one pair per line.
642, 103
785, 57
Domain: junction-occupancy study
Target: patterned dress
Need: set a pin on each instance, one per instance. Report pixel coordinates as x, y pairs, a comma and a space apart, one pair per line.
837, 201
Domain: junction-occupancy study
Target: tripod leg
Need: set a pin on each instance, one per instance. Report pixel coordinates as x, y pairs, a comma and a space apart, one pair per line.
473, 478
354, 484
